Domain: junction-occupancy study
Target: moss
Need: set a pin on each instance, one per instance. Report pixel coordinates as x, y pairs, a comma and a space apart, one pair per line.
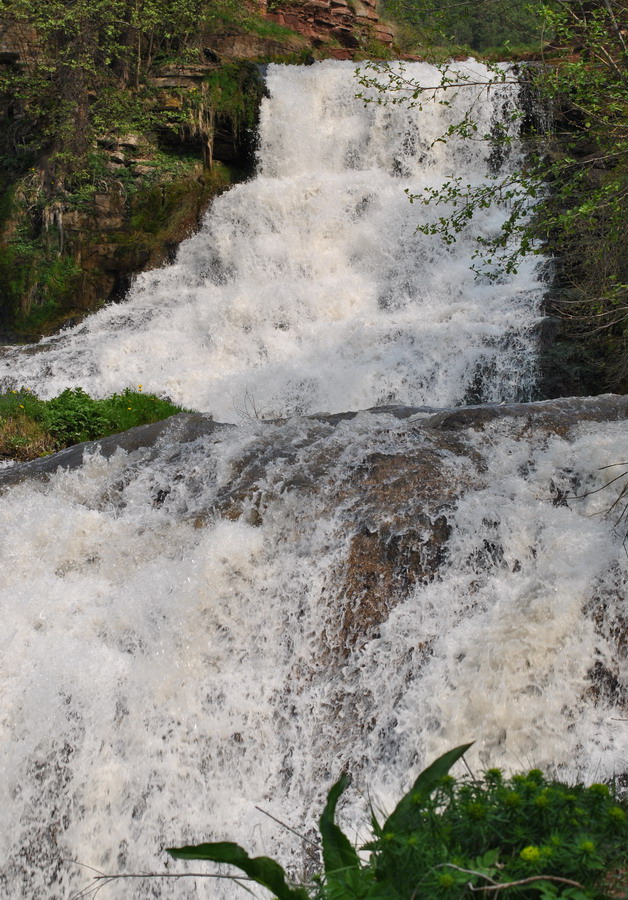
35, 280
160, 210
43, 287
374, 49
234, 92
7, 197
266, 28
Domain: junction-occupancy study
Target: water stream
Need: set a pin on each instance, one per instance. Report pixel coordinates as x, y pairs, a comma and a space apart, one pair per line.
307, 289
197, 628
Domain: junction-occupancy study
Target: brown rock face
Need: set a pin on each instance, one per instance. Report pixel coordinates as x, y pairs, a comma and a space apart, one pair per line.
349, 23
386, 558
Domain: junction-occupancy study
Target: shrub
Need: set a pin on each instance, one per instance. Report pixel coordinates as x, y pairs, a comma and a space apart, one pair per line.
30, 427
525, 835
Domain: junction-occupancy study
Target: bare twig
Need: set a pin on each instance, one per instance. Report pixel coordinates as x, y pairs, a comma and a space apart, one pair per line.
530, 880
468, 767
99, 881
289, 828
497, 886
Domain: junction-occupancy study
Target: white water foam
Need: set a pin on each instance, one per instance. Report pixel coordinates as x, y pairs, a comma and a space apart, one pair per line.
161, 680
307, 288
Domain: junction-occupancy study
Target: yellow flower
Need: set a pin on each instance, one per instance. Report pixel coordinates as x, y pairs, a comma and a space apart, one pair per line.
530, 854
128, 407
600, 789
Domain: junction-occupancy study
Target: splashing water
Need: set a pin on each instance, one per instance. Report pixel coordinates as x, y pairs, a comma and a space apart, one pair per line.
203, 626
307, 288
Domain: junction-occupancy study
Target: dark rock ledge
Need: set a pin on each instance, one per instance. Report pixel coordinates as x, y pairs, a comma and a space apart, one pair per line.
560, 415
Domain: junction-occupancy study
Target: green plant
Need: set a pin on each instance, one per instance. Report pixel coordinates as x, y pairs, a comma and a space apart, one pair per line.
73, 416
234, 91
30, 427
134, 407
478, 26
447, 838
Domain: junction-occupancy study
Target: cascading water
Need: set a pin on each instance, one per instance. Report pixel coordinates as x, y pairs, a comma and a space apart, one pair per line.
307, 288
227, 620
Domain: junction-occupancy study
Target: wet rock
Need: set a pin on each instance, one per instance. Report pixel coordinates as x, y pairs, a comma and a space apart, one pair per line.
142, 170
392, 507
131, 141
182, 428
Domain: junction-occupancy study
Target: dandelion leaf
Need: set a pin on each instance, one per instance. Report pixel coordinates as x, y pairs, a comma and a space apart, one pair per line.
338, 852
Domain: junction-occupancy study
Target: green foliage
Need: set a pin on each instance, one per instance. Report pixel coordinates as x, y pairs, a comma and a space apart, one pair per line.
234, 91
569, 199
71, 418
468, 834
474, 25
524, 836
341, 863
85, 73
261, 869
32, 267
404, 815
338, 853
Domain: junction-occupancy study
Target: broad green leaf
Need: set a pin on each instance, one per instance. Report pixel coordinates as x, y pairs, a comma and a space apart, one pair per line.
338, 853
261, 869
403, 816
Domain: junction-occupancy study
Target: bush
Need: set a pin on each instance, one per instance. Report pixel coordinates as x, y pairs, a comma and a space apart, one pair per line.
30, 427
526, 836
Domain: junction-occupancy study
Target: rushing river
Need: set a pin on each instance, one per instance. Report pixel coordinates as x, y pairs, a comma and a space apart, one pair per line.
204, 626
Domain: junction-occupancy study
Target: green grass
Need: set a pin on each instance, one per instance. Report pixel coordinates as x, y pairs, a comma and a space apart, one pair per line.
30, 427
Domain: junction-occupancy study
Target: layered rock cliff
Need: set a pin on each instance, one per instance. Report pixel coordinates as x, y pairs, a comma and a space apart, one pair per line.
350, 22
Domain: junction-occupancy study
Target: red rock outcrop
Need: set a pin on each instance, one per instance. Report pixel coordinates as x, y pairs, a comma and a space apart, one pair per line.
349, 22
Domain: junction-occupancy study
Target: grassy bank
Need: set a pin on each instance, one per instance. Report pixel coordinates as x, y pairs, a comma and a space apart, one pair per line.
30, 427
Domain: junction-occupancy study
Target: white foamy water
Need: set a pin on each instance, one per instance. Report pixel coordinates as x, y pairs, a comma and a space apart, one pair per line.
307, 288
161, 680
177, 644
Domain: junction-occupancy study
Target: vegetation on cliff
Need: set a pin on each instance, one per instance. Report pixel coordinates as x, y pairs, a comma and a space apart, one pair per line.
84, 72
99, 103
491, 25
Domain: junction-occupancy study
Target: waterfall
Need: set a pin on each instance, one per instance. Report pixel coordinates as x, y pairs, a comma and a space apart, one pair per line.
228, 617
307, 288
